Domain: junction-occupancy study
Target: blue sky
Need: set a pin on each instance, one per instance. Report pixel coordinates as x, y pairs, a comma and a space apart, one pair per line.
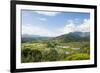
50, 23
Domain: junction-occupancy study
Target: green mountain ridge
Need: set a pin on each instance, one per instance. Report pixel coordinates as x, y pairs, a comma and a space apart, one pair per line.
71, 37
74, 37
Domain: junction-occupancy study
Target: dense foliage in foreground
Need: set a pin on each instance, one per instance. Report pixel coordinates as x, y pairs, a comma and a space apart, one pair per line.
54, 51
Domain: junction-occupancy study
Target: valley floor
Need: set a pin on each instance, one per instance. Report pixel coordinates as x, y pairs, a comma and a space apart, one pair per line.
54, 51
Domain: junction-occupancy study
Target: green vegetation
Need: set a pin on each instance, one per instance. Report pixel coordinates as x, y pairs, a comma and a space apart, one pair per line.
66, 47
78, 56
54, 51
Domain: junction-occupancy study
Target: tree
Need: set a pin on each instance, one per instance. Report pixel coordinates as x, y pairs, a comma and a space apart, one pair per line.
51, 44
30, 55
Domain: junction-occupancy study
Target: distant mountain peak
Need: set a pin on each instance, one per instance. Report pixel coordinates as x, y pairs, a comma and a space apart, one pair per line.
30, 35
81, 34
74, 37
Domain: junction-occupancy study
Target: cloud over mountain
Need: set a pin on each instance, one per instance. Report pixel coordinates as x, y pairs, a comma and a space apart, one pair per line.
71, 27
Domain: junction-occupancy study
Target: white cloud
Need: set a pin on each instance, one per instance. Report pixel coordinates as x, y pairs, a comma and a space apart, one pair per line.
71, 27
36, 30
47, 13
85, 27
42, 19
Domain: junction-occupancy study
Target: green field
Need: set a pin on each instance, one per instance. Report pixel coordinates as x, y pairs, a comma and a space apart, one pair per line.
45, 51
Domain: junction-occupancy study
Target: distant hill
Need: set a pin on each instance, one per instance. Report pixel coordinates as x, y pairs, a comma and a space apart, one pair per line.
71, 37
74, 37
28, 38
80, 34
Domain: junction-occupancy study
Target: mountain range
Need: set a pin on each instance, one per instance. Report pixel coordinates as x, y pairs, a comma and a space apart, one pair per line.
70, 37
74, 37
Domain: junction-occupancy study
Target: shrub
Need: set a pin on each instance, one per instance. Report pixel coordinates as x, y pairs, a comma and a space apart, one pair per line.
30, 55
50, 55
78, 56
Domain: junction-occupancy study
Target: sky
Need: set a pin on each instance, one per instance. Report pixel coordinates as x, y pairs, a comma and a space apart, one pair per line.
52, 24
